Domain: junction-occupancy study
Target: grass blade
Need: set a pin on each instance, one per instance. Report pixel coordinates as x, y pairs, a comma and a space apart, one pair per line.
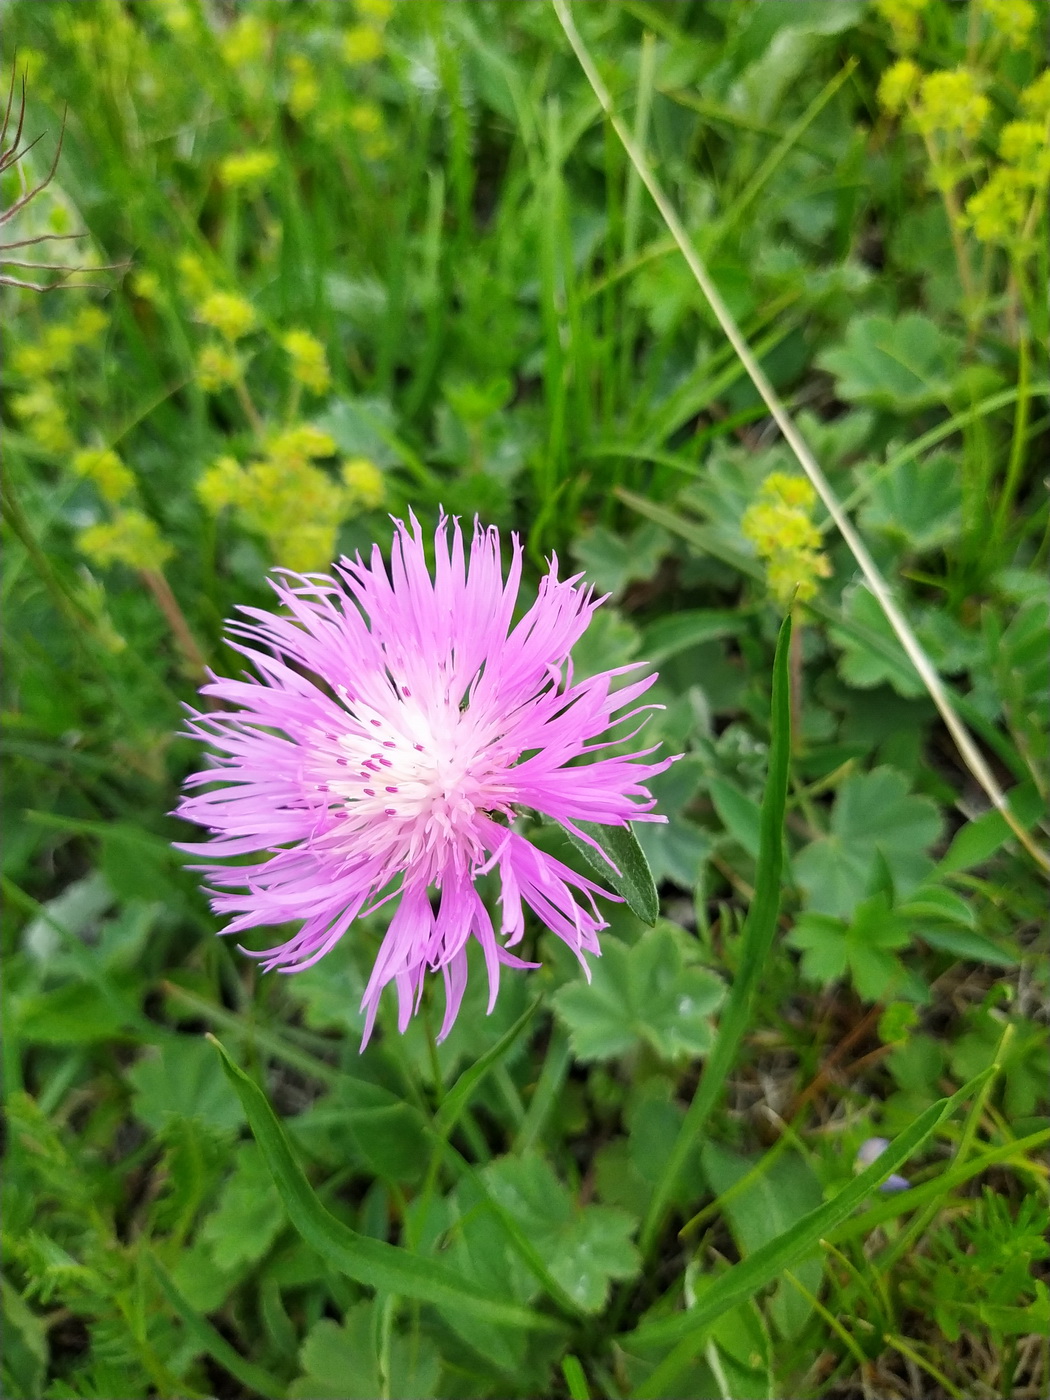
688, 1330
458, 1096
370, 1262
214, 1344
757, 939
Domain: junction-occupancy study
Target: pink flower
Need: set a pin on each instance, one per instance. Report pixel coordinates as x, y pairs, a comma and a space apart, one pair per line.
398, 725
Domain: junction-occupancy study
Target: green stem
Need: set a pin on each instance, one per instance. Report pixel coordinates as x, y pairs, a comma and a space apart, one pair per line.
1015, 466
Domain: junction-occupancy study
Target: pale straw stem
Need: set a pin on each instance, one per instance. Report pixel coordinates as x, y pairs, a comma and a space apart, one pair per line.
968, 750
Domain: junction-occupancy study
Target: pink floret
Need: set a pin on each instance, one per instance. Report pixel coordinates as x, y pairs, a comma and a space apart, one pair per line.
397, 725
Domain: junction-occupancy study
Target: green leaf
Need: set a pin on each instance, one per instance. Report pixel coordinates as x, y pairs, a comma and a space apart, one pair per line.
642, 993
871, 653
776, 1199
178, 1079
874, 814
978, 841
256, 1380
919, 503
904, 365
686, 1332
344, 1362
370, 1262
249, 1215
756, 944
862, 944
613, 561
634, 883
935, 904
460, 1094
678, 631
70, 1015
585, 1248
965, 943
739, 814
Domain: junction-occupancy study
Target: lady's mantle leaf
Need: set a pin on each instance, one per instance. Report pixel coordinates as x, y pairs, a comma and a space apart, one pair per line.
905, 364
341, 1363
874, 814
585, 1247
645, 993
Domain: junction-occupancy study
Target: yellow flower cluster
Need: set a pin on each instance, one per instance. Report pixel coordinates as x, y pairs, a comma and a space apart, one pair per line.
779, 524
217, 368
309, 362
178, 16
1005, 208
949, 102
1035, 99
291, 502
898, 85
56, 348
193, 277
247, 169
147, 285
130, 538
104, 467
1012, 19
245, 42
304, 91
903, 18
363, 42
364, 483
231, 315
44, 418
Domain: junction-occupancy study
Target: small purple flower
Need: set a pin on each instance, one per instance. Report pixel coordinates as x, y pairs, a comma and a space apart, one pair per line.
398, 725
870, 1150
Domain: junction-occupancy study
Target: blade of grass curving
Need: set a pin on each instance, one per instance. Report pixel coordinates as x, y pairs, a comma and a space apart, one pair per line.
964, 742
214, 1344
373, 1263
458, 1096
757, 940
1006, 1154
632, 879
687, 1331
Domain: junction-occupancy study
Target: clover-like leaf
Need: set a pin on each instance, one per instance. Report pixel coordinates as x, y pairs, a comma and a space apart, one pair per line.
249, 1215
906, 364
584, 1247
178, 1079
645, 993
864, 946
874, 816
919, 503
614, 561
343, 1362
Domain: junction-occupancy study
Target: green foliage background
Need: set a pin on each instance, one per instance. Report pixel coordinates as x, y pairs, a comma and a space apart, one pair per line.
504, 327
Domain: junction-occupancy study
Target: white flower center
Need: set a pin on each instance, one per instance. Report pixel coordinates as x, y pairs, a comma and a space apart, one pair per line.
420, 774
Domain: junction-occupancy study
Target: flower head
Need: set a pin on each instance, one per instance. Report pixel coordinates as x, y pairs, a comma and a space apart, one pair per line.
949, 101
309, 362
399, 724
229, 314
778, 524
247, 169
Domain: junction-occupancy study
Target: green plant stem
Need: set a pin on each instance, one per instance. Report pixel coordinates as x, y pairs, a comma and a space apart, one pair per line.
552, 1077
1018, 441
758, 935
899, 1344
